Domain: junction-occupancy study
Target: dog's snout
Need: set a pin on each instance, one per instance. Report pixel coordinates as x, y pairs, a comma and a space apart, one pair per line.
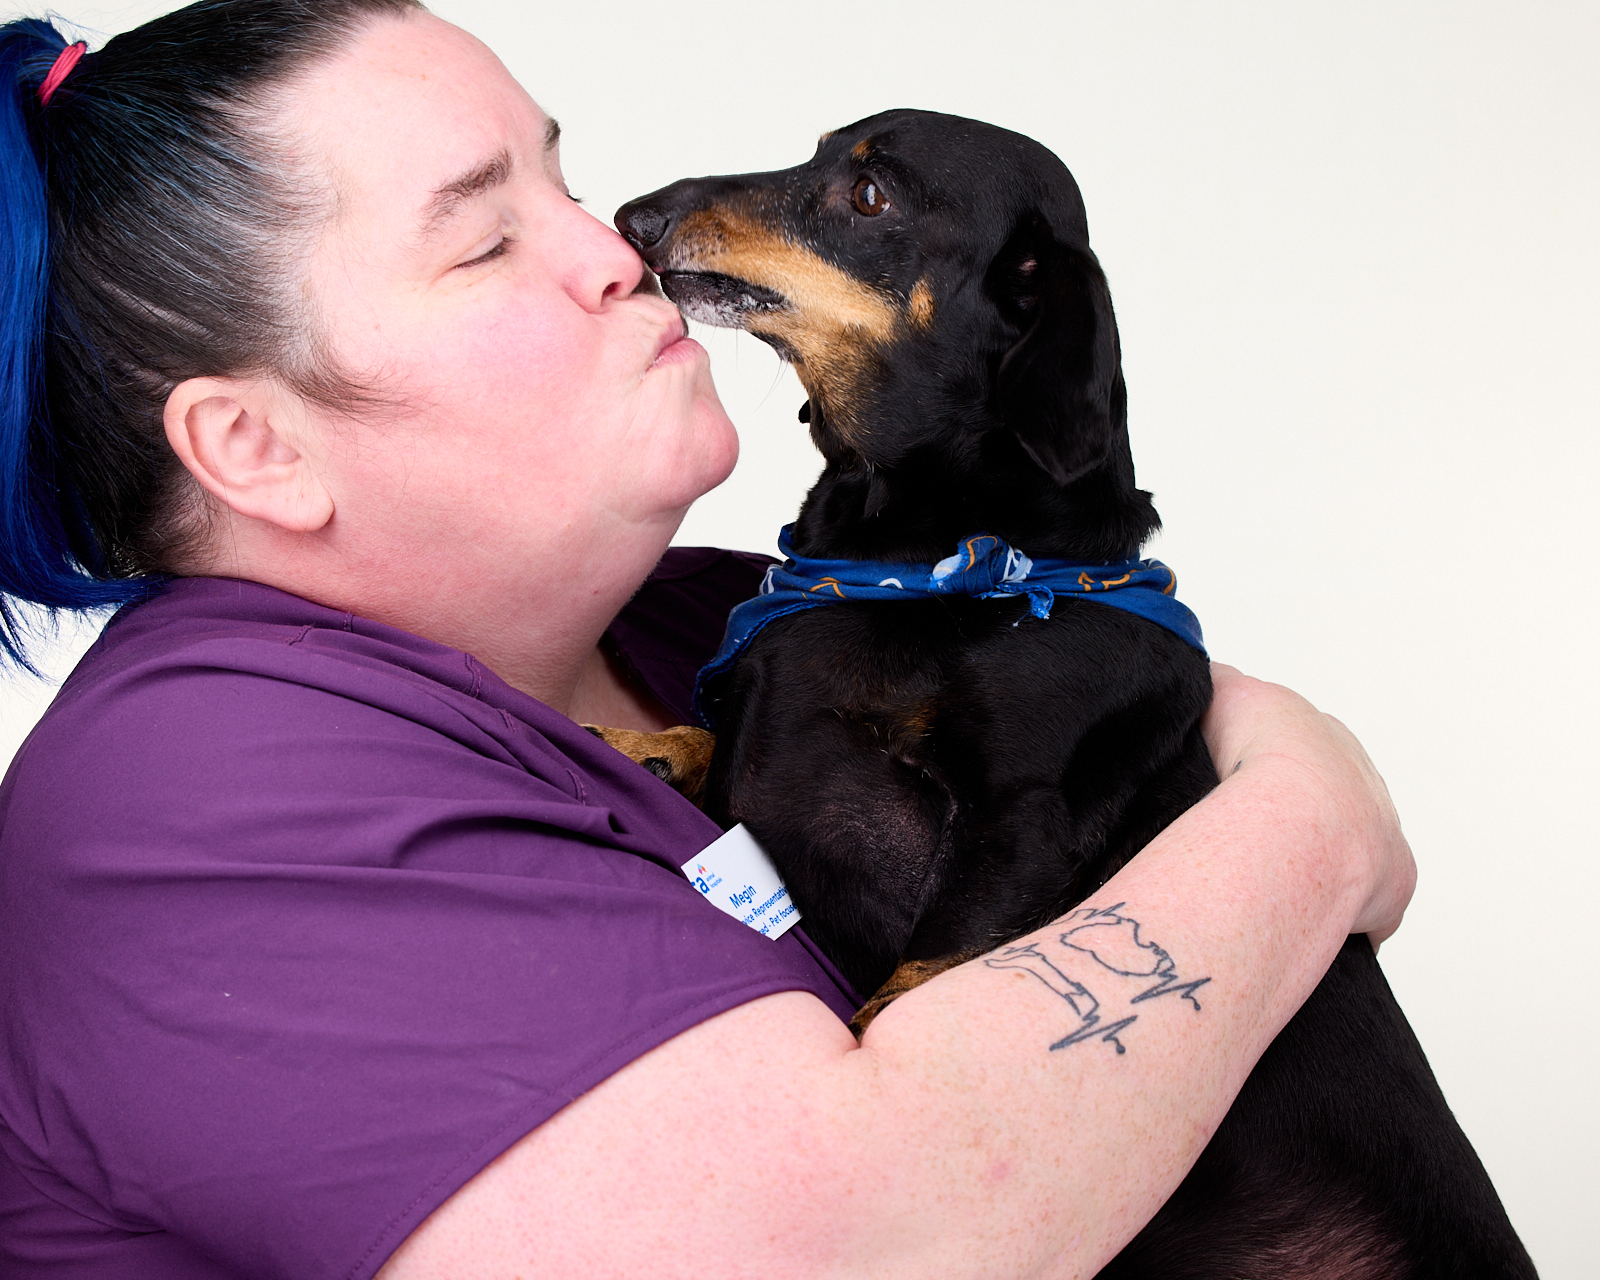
643, 224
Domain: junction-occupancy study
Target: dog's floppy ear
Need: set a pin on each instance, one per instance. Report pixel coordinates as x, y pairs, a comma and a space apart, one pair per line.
1059, 386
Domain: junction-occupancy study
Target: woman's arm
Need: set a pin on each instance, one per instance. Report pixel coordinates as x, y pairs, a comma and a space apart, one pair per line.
989, 1124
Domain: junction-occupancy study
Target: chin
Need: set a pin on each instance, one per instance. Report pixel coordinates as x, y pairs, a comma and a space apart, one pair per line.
690, 454
715, 430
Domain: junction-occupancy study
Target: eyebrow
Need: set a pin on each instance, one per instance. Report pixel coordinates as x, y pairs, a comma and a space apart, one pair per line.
447, 199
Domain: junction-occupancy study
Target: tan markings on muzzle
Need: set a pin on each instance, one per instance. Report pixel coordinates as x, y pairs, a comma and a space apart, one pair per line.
835, 324
920, 306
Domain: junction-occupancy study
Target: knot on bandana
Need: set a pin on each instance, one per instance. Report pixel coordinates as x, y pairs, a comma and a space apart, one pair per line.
983, 566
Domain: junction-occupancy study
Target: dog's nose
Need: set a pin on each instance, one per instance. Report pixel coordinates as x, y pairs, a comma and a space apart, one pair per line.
642, 224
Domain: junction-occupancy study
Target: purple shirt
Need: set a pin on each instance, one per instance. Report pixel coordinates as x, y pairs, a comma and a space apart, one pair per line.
304, 920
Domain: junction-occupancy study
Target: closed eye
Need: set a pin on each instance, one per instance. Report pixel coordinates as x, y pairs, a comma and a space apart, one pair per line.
501, 247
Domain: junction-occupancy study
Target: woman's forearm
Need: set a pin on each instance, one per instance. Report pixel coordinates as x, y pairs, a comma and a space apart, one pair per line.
1086, 1092
1021, 1115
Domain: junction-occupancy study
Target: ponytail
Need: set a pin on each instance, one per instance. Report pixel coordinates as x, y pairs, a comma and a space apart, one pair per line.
47, 554
152, 230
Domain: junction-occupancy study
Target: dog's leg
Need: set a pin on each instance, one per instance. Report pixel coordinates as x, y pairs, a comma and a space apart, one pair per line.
911, 973
679, 756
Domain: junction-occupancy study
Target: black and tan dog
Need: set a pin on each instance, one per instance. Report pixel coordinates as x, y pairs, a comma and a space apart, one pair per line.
935, 777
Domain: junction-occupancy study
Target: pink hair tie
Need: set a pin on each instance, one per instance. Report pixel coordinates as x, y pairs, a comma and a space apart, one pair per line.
60, 70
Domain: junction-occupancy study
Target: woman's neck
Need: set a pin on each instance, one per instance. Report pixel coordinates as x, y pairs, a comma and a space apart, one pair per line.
608, 693
535, 620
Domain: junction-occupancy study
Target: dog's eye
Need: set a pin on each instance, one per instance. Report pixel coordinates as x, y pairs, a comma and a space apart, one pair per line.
868, 198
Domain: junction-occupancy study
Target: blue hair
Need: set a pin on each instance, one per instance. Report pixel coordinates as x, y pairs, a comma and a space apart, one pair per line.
149, 231
47, 550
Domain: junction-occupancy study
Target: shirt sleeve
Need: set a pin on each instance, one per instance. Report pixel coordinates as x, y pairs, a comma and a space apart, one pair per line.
293, 947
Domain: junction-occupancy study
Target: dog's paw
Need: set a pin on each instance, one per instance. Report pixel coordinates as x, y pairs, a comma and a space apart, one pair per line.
679, 756
910, 974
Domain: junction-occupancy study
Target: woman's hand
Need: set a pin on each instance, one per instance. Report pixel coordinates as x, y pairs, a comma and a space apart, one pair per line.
1251, 722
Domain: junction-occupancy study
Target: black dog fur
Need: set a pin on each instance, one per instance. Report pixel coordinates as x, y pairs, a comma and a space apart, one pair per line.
937, 777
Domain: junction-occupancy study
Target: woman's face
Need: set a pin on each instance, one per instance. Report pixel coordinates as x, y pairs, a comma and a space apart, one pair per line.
540, 405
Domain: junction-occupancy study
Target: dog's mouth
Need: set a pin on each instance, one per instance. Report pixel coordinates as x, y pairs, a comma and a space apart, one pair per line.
715, 299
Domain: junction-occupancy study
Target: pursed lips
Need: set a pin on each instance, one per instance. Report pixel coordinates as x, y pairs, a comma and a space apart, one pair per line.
675, 332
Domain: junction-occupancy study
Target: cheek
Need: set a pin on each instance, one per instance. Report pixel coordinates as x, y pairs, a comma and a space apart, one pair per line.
484, 406
513, 399
520, 359
518, 401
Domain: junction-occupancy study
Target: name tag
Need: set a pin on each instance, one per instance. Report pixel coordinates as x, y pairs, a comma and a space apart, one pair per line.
736, 876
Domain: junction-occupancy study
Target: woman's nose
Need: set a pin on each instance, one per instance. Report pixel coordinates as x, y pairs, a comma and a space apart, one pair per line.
600, 265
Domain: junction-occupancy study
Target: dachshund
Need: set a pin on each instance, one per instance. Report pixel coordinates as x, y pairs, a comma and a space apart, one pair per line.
936, 775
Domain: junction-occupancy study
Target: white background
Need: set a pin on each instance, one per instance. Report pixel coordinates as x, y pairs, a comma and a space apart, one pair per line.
1353, 250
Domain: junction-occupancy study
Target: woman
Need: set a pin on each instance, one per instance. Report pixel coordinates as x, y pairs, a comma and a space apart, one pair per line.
331, 949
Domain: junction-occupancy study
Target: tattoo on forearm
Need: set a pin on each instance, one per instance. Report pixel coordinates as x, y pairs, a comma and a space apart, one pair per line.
1102, 946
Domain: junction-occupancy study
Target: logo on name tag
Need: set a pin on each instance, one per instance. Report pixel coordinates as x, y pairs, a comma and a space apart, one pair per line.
702, 877
737, 877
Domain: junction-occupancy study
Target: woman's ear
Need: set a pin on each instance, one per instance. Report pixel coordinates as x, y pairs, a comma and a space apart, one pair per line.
245, 440
1059, 387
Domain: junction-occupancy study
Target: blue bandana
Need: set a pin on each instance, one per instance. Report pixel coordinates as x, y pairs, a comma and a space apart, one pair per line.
983, 566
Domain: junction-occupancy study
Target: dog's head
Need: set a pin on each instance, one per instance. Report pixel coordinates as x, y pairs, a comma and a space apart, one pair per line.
930, 279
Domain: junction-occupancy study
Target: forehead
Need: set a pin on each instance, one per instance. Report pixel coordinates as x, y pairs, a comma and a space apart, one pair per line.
405, 107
